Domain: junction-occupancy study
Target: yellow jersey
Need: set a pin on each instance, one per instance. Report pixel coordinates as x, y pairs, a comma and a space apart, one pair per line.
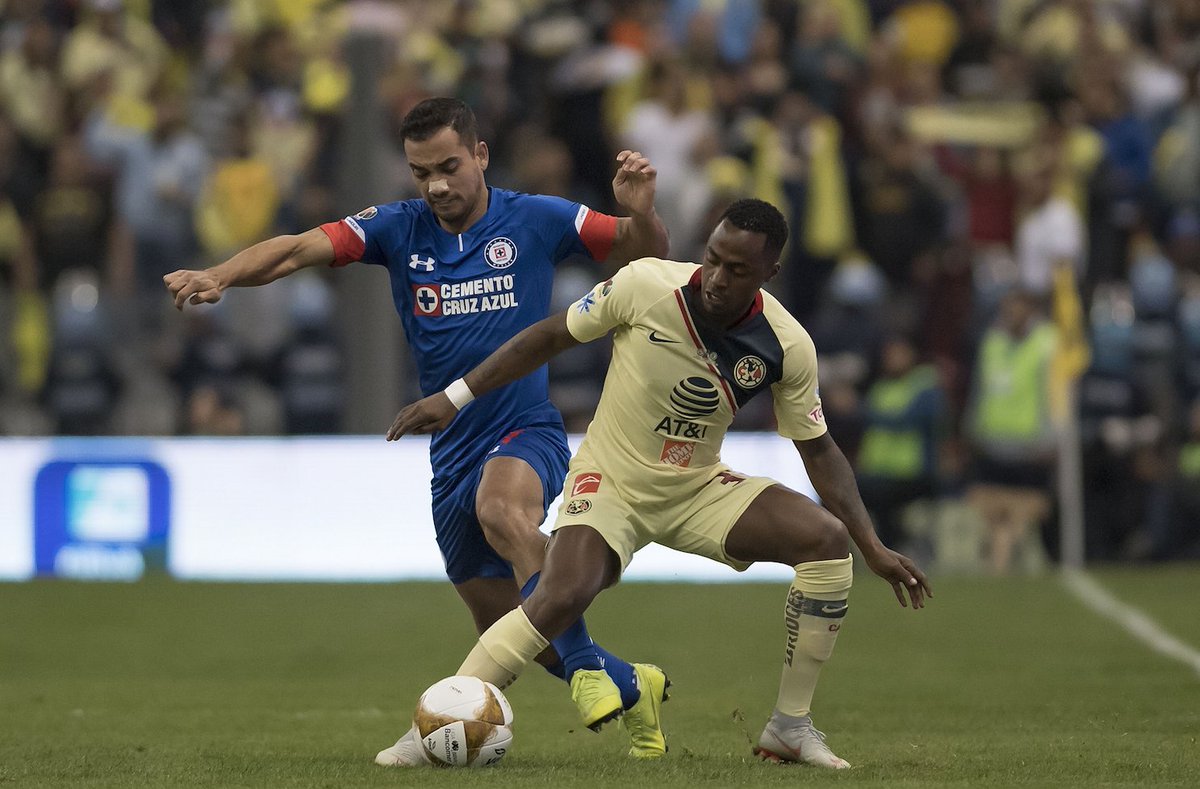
675, 381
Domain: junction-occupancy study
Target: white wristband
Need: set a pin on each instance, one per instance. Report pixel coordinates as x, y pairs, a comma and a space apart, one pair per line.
459, 393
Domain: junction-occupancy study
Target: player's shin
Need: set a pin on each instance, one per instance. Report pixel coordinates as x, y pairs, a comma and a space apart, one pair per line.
504, 650
578, 651
816, 606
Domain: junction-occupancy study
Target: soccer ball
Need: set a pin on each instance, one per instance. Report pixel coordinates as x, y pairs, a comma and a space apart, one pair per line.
463, 722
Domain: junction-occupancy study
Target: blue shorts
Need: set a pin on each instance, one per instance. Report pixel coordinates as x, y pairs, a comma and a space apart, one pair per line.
460, 538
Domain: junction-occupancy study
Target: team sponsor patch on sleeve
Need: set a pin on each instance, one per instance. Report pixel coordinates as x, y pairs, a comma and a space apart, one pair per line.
588, 482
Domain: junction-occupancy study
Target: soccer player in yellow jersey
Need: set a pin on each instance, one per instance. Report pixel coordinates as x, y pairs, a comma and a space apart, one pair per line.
691, 344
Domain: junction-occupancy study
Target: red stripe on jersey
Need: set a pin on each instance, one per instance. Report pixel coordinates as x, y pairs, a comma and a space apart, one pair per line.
755, 309
687, 321
598, 233
347, 246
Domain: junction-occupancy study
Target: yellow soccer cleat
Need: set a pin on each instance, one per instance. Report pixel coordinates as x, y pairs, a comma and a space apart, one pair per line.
596, 696
643, 720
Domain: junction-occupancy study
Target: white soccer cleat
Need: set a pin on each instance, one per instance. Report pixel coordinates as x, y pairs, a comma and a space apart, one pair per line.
796, 741
407, 752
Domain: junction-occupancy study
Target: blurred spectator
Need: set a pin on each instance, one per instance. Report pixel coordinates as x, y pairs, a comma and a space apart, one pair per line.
113, 44
210, 355
308, 371
1008, 425
72, 219
82, 384
1120, 191
577, 374
31, 91
799, 165
823, 64
897, 461
903, 215
991, 195
1117, 430
848, 330
24, 328
1175, 532
927, 30
725, 26
158, 177
1177, 155
240, 202
282, 129
1050, 233
679, 140
1154, 290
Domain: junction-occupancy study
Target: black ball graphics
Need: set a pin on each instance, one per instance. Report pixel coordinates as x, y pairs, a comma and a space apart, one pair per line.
695, 397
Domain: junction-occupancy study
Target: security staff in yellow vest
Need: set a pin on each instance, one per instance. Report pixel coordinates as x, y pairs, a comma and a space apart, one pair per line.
1009, 425
897, 460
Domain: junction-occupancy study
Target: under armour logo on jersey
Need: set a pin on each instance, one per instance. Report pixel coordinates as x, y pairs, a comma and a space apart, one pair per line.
417, 264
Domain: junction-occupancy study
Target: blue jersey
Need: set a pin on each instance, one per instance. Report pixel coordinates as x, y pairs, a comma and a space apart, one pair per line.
461, 296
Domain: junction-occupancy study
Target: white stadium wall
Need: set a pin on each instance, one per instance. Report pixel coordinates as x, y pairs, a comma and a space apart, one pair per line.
272, 509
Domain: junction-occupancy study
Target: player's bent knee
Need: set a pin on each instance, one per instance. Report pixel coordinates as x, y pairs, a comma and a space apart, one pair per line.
826, 537
837, 539
507, 522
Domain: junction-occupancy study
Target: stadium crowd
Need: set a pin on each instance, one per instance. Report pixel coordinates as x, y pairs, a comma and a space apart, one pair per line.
956, 173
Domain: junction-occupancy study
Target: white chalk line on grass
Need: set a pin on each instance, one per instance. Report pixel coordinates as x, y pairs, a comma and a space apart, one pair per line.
1137, 623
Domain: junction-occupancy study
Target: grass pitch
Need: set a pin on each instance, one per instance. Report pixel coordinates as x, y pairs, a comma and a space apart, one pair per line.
1000, 682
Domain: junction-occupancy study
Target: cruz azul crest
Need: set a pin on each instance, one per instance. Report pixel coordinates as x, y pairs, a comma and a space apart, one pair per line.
500, 252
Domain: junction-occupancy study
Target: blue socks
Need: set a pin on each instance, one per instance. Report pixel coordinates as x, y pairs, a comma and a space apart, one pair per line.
621, 672
577, 651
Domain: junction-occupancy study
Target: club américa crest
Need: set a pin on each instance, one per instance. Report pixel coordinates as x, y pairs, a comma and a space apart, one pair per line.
749, 372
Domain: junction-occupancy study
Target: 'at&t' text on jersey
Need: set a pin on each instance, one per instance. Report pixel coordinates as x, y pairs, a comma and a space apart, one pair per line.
675, 382
460, 296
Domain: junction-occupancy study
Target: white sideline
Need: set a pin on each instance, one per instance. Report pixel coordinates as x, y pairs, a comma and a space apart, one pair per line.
1138, 624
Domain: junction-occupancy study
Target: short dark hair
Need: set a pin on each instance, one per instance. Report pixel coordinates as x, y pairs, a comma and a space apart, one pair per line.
758, 216
432, 115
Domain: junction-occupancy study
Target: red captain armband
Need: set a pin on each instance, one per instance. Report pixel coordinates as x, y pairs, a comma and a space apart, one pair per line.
597, 231
348, 240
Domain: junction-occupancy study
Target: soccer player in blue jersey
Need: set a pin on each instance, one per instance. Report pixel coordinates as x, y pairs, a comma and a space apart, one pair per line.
470, 267
692, 344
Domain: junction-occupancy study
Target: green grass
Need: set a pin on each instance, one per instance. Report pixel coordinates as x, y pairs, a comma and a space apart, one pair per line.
1000, 682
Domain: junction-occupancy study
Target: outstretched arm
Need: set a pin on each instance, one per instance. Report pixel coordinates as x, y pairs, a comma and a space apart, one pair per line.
834, 482
515, 359
642, 233
264, 262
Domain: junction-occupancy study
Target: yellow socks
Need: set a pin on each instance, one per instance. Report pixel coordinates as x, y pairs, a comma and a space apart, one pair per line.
816, 604
504, 650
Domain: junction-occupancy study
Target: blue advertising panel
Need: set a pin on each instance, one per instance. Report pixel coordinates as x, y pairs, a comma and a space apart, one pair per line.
100, 518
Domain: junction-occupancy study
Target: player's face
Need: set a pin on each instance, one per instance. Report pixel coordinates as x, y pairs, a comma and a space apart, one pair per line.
735, 266
450, 177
